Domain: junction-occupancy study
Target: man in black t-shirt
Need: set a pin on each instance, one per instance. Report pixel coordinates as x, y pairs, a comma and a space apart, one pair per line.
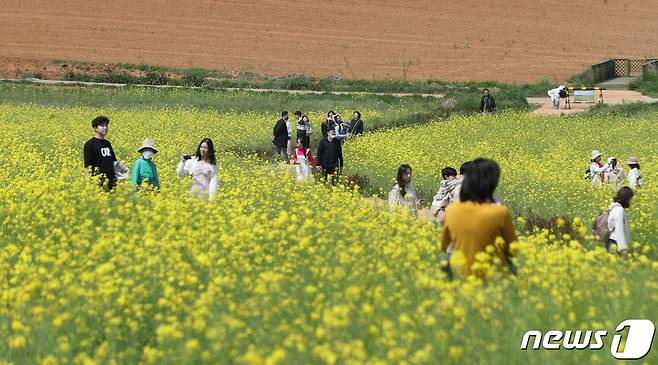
98, 154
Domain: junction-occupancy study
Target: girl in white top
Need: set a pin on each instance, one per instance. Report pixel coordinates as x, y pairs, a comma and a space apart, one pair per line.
403, 193
634, 177
202, 168
620, 232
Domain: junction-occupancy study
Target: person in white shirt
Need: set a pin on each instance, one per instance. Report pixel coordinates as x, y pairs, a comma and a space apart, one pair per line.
597, 170
555, 96
203, 169
615, 175
403, 192
634, 177
618, 226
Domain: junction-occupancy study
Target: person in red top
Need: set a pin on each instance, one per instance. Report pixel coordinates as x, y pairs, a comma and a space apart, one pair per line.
304, 161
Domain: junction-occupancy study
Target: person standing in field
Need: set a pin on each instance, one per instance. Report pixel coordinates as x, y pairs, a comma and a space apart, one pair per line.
304, 162
99, 157
615, 175
634, 176
144, 170
328, 123
356, 125
476, 222
618, 226
444, 196
555, 95
281, 137
301, 127
202, 168
487, 103
341, 129
289, 143
403, 192
330, 156
597, 170
309, 130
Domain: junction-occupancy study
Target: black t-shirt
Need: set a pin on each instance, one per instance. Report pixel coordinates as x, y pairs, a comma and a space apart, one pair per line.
100, 156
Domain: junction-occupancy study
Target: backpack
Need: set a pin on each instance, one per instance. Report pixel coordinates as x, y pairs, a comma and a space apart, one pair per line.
600, 228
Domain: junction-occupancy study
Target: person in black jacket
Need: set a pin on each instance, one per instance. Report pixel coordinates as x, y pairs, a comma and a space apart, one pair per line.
330, 156
356, 125
281, 137
328, 123
487, 104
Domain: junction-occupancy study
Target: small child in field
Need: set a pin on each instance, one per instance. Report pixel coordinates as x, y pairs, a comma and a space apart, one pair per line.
304, 161
144, 170
442, 198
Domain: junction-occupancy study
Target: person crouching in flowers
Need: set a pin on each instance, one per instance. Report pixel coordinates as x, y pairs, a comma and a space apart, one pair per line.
304, 161
478, 226
144, 170
403, 192
620, 232
445, 194
203, 169
634, 176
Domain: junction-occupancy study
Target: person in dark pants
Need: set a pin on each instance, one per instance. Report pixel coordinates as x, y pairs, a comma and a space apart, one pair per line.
487, 104
356, 125
301, 127
281, 137
99, 157
330, 156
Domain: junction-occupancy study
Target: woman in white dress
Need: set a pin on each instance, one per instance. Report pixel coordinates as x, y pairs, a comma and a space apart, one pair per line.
202, 168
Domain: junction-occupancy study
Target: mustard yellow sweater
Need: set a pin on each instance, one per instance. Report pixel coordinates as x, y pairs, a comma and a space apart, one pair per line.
470, 227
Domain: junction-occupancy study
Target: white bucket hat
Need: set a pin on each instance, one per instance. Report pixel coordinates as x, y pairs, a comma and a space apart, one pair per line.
596, 154
148, 143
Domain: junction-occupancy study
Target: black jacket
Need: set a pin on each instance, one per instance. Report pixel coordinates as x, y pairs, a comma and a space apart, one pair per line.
356, 127
330, 154
488, 103
280, 134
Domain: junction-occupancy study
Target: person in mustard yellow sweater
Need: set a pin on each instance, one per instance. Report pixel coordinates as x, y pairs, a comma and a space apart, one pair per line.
477, 220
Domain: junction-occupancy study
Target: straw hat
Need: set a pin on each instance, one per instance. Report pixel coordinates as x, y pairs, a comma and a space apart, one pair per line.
148, 143
633, 160
596, 154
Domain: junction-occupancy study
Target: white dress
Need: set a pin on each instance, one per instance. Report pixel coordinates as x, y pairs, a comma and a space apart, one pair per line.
204, 177
304, 169
409, 200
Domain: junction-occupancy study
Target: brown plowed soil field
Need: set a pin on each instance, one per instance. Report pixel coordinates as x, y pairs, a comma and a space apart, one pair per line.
505, 40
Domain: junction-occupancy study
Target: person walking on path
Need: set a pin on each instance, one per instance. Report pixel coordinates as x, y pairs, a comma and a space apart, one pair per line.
330, 156
356, 125
281, 137
475, 224
597, 170
144, 170
634, 176
99, 157
620, 232
203, 169
304, 162
555, 95
487, 103
403, 192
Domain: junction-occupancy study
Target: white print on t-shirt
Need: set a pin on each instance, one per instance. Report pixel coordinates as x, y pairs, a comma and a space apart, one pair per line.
105, 152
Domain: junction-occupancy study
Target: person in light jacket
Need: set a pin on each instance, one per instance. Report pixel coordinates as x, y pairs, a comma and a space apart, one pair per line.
634, 177
597, 170
403, 192
555, 96
203, 169
620, 232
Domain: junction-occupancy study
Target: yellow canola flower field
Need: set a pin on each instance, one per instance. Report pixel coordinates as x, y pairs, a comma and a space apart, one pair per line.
270, 272
542, 161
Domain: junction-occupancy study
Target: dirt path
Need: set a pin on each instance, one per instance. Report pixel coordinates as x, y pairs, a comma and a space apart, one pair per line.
502, 40
296, 92
610, 97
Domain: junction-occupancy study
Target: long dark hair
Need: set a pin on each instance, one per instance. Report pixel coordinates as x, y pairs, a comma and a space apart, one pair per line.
358, 113
211, 151
624, 196
480, 181
403, 169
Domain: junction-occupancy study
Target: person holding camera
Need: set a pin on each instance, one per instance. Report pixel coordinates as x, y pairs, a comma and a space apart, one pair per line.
202, 168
